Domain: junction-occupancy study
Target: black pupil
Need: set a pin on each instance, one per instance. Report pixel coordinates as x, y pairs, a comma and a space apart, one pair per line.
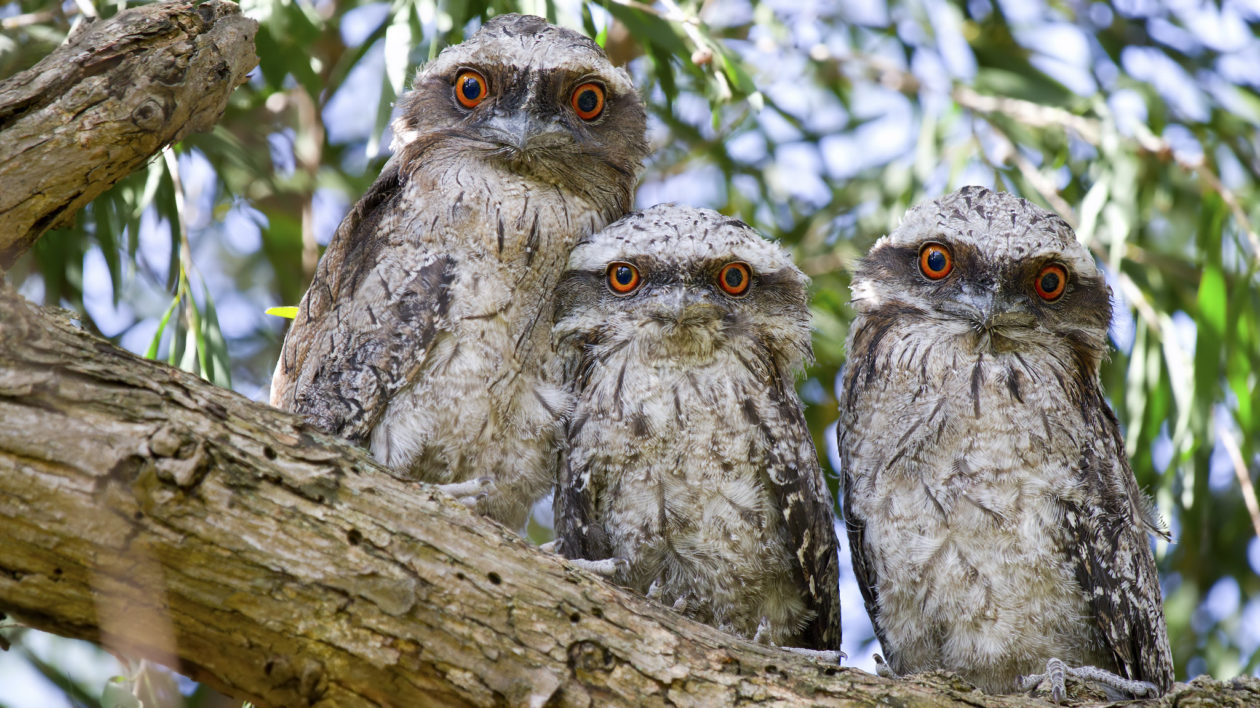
936, 261
623, 275
471, 89
587, 101
734, 278
1050, 282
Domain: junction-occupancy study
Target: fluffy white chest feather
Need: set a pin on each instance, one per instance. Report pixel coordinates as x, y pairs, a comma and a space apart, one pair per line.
970, 545
678, 475
490, 402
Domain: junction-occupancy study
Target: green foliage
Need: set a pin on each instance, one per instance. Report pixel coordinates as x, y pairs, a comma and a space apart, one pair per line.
820, 128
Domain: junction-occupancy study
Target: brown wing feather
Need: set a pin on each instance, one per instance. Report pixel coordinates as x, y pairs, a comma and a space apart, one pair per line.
363, 327
865, 343
1114, 563
577, 533
808, 513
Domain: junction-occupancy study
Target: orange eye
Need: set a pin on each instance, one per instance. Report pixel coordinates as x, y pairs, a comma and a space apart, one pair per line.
1051, 282
588, 100
935, 261
623, 278
470, 89
734, 278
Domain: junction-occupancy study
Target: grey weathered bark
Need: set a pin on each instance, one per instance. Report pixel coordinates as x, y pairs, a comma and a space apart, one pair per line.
102, 104
149, 510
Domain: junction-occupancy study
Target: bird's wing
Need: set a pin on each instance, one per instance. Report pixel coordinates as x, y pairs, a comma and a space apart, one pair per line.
808, 514
577, 533
855, 527
366, 322
1114, 563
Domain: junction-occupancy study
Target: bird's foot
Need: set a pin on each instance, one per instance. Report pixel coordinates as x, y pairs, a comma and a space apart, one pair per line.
829, 656
1057, 673
762, 627
883, 669
607, 567
471, 492
656, 593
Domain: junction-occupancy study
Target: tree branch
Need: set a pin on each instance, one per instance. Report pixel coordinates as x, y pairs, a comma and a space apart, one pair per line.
146, 509
106, 101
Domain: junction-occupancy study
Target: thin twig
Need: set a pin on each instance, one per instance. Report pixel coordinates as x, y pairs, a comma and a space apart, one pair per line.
30, 18
1039, 181
1041, 116
87, 8
1138, 299
1244, 477
1029, 113
672, 13
172, 168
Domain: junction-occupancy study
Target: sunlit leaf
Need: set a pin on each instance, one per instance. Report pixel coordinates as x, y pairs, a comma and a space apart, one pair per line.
285, 312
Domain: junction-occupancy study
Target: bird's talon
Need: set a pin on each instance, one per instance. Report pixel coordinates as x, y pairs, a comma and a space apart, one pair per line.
607, 567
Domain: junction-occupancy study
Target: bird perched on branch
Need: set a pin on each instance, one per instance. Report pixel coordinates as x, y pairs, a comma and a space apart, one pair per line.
995, 525
420, 336
689, 463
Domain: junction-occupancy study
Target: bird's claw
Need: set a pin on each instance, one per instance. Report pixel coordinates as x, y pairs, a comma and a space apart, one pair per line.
470, 493
1057, 673
827, 656
607, 567
883, 669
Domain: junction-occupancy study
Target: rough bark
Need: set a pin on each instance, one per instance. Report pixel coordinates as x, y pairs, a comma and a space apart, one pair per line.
102, 104
146, 509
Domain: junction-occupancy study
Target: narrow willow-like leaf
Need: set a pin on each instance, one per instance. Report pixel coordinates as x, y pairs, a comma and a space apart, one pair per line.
195, 358
188, 360
217, 362
151, 353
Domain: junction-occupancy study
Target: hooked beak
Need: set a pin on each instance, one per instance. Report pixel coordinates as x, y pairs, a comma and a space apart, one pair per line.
988, 310
685, 308
520, 132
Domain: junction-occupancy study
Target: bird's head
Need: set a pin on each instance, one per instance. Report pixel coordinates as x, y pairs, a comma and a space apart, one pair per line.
676, 285
990, 269
532, 98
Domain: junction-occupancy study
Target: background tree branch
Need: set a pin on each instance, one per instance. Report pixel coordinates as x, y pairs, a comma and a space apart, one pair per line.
106, 101
168, 518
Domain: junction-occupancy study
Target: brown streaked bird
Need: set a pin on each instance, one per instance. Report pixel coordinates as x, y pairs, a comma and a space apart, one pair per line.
420, 336
995, 525
688, 459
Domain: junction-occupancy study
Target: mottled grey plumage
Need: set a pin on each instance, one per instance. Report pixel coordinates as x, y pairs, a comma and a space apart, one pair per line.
418, 336
688, 453
993, 518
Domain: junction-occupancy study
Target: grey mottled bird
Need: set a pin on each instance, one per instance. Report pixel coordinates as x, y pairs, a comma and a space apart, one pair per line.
995, 525
688, 455
419, 336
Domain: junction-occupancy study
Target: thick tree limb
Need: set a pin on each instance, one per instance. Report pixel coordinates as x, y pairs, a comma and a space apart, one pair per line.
102, 104
149, 510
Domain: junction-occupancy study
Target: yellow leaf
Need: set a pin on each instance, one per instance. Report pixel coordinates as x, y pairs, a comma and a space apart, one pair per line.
285, 312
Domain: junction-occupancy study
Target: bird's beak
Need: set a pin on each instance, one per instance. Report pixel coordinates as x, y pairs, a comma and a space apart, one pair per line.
988, 308
521, 131
684, 307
